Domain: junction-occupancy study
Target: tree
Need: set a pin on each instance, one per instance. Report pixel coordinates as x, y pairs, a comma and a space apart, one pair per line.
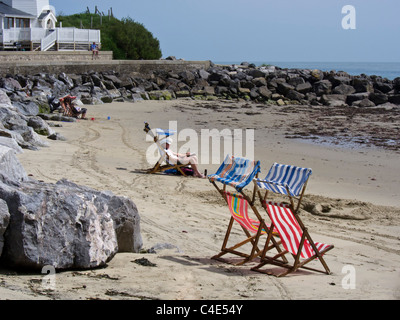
127, 39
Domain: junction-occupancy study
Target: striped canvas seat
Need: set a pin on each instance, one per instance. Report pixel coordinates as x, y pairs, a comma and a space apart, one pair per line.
253, 229
238, 206
281, 178
295, 239
236, 172
290, 231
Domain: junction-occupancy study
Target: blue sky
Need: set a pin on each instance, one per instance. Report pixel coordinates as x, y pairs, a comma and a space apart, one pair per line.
261, 30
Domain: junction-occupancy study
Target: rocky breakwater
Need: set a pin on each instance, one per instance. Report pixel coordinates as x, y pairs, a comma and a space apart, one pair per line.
63, 225
266, 84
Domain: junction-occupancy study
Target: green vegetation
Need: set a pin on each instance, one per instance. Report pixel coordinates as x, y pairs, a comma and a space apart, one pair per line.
127, 39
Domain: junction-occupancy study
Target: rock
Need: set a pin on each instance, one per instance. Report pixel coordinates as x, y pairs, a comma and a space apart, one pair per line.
296, 81
265, 92
378, 98
244, 91
40, 126
364, 103
260, 82
56, 226
160, 95
383, 87
396, 85
254, 95
11, 143
344, 89
187, 77
317, 75
124, 214
115, 80
322, 87
284, 88
395, 99
67, 80
362, 85
294, 95
182, 94
5, 100
10, 168
4, 221
28, 108
280, 102
256, 73
203, 74
334, 100
66, 225
56, 136
356, 97
338, 80
10, 84
106, 99
304, 87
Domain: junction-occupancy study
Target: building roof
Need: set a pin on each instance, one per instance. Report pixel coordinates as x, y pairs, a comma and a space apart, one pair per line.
6, 10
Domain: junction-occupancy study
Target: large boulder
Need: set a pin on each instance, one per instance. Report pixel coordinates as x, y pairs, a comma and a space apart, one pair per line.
65, 225
52, 225
123, 212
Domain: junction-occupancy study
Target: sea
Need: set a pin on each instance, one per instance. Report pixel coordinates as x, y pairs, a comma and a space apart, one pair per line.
389, 70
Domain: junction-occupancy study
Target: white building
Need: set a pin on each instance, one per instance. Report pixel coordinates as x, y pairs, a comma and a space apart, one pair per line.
31, 25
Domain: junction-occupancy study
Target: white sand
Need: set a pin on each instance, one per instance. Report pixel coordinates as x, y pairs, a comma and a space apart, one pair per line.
189, 216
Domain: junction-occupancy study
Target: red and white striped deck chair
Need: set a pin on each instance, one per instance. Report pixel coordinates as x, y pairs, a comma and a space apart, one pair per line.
239, 208
295, 239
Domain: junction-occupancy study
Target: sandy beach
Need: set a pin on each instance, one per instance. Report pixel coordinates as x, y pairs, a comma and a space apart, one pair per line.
184, 219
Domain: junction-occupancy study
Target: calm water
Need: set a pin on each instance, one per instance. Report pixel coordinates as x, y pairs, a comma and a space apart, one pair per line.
388, 70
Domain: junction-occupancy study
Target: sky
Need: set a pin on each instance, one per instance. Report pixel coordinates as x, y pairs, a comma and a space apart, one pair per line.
262, 30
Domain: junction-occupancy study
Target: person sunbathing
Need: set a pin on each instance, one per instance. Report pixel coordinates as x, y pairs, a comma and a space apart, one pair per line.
186, 158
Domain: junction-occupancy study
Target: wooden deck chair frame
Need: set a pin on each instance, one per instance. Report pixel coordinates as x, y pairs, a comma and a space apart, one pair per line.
252, 239
306, 247
159, 167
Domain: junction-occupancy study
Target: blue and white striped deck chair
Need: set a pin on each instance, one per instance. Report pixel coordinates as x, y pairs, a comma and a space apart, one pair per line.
287, 180
236, 172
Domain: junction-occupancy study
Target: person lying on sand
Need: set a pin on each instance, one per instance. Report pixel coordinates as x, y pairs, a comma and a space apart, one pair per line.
186, 158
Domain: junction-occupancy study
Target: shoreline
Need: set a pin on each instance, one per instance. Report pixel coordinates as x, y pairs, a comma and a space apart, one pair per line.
184, 219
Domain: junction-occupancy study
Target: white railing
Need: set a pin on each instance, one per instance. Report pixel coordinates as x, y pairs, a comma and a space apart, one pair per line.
47, 37
48, 41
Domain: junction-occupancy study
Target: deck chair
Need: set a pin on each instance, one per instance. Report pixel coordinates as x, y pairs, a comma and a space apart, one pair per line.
286, 180
238, 172
163, 163
295, 239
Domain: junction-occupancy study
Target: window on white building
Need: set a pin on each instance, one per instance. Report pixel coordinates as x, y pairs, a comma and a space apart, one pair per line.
22, 23
8, 23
